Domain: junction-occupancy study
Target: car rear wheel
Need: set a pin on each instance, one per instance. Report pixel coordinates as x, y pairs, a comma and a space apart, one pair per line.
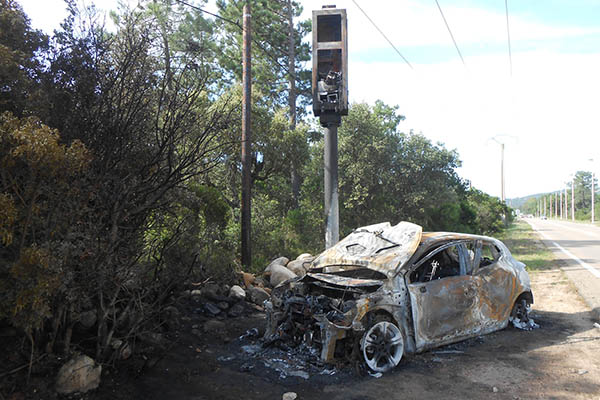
519, 317
382, 346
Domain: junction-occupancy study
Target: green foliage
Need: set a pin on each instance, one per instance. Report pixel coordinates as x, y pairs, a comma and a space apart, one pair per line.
37, 175
20, 65
270, 57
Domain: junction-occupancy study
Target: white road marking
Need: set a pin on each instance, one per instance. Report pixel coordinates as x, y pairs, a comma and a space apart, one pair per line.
562, 226
591, 269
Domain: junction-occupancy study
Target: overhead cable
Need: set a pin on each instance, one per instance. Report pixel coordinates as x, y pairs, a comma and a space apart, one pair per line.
450, 32
382, 34
257, 43
508, 35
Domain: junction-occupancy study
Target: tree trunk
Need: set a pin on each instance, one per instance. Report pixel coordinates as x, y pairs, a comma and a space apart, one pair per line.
295, 178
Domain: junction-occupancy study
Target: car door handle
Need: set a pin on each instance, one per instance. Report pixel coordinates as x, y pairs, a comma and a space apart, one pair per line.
422, 289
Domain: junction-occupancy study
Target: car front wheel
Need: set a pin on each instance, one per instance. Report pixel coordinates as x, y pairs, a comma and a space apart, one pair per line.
382, 346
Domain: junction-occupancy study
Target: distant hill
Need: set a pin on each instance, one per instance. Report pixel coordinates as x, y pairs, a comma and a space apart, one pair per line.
518, 202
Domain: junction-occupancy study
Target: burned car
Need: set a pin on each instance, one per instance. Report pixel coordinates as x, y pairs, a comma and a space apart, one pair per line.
385, 291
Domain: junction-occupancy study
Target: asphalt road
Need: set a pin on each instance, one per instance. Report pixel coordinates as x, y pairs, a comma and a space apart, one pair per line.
577, 247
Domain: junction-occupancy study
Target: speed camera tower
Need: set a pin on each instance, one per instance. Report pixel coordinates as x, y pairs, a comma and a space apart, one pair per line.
330, 100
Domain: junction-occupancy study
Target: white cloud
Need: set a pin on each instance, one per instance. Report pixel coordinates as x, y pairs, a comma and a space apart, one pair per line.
550, 106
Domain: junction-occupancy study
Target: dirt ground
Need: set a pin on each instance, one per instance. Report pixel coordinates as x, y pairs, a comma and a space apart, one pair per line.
560, 360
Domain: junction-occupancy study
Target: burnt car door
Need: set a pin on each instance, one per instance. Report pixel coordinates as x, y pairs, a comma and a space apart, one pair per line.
497, 285
443, 295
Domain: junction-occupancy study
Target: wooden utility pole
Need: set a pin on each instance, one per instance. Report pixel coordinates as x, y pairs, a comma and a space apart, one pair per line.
573, 199
561, 205
566, 205
593, 190
545, 206
246, 139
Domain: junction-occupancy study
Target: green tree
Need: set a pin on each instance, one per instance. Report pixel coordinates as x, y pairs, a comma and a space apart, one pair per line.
20, 64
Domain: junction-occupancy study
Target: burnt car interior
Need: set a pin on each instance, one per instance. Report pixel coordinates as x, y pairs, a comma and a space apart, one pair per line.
453, 259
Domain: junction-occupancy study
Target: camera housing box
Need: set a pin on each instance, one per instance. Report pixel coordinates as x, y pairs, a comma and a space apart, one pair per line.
330, 62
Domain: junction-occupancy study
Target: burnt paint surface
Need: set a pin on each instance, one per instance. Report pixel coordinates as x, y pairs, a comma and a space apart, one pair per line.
380, 247
459, 307
443, 308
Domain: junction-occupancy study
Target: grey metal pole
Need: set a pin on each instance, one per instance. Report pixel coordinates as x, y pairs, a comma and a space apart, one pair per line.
593, 204
246, 140
332, 226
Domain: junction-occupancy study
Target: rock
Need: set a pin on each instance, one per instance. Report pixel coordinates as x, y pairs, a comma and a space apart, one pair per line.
214, 326
78, 375
223, 305
87, 319
305, 256
257, 295
248, 279
237, 293
495, 389
260, 282
289, 396
196, 292
211, 291
256, 307
236, 310
279, 274
298, 267
278, 261
211, 308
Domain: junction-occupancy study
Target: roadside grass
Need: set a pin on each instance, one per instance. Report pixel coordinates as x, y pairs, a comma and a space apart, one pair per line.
526, 247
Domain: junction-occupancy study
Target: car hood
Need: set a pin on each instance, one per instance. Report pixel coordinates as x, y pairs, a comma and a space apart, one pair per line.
381, 247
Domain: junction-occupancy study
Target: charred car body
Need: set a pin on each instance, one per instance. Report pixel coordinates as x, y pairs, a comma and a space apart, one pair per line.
385, 291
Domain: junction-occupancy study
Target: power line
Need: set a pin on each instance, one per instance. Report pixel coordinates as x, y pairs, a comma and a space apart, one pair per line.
450, 32
241, 28
382, 34
508, 34
209, 13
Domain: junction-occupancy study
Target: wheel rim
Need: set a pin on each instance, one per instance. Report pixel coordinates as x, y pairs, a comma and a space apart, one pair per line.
382, 346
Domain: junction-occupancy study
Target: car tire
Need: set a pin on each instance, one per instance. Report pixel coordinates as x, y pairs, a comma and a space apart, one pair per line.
519, 316
382, 345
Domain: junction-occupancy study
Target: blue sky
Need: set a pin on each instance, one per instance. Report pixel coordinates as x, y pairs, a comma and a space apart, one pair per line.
546, 112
